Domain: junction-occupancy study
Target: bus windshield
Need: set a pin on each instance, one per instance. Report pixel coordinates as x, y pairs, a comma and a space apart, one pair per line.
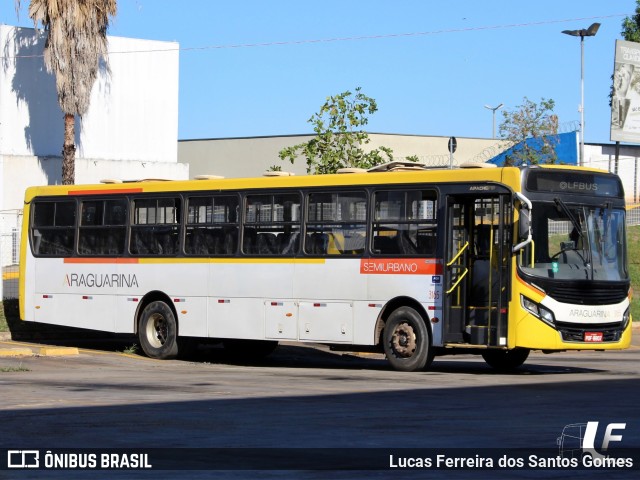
573, 242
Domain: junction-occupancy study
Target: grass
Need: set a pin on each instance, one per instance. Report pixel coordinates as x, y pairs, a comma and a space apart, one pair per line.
4, 326
19, 368
633, 252
133, 349
8, 313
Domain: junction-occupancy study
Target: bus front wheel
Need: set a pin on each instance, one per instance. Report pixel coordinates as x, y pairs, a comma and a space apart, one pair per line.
506, 360
158, 331
406, 340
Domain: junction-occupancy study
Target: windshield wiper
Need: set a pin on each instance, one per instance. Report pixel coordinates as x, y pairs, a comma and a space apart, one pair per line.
606, 234
578, 228
569, 215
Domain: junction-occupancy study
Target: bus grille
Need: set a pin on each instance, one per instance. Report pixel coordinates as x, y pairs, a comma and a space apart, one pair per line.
584, 295
574, 332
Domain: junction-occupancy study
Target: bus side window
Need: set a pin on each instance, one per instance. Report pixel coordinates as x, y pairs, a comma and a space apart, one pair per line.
53, 228
336, 223
271, 224
404, 222
102, 227
385, 245
212, 225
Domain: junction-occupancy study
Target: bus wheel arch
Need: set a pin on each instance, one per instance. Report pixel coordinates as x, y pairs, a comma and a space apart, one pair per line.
404, 331
157, 326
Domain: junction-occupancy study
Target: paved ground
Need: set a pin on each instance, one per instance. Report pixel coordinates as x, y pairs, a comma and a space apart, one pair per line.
311, 398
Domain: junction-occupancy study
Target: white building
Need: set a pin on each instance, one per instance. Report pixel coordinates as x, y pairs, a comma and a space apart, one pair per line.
129, 132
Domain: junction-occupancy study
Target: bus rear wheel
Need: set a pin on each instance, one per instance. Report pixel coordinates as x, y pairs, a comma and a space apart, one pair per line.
506, 360
158, 331
406, 340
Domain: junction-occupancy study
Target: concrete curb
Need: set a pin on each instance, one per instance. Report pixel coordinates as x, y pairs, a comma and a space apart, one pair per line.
58, 351
15, 352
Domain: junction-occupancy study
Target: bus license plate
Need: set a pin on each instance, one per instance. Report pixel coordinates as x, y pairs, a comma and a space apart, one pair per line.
593, 337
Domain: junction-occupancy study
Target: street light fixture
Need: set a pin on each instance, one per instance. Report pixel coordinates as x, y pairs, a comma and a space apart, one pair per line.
494, 116
588, 32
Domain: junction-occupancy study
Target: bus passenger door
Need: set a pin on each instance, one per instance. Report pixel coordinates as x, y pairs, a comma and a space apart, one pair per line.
477, 257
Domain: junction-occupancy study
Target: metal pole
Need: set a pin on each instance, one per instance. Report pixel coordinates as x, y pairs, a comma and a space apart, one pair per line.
635, 182
493, 131
493, 109
581, 100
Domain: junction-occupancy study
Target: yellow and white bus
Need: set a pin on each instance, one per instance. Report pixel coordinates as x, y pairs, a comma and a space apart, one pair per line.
413, 263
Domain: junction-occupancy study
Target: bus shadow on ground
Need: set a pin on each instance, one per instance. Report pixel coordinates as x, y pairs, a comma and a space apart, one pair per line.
287, 355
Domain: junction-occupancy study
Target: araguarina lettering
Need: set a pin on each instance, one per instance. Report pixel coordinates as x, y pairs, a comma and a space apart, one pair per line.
100, 280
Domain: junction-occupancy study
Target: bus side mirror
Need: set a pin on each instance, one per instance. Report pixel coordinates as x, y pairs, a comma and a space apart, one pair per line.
524, 223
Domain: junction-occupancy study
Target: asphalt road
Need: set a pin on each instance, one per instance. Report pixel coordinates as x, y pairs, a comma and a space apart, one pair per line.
311, 398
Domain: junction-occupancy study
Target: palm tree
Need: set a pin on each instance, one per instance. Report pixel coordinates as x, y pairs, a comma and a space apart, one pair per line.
76, 42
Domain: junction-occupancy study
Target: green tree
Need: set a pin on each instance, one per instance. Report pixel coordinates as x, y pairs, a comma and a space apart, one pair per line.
339, 136
76, 43
631, 26
531, 133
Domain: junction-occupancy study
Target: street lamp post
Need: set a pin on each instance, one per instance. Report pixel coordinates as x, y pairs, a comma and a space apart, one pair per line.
494, 117
588, 32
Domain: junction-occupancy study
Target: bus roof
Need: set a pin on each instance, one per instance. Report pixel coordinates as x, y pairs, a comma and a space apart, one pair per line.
507, 175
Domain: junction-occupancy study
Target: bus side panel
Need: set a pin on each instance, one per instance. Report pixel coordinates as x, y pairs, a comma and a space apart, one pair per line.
236, 318
75, 295
327, 292
239, 294
27, 284
185, 283
419, 281
365, 318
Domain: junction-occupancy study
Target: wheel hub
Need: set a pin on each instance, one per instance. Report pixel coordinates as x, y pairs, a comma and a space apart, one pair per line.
158, 327
403, 340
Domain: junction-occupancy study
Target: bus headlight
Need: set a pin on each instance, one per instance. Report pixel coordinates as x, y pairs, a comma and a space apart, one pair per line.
538, 310
626, 317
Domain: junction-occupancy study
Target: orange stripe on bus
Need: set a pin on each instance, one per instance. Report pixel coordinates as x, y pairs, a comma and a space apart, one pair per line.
400, 266
532, 287
105, 192
101, 260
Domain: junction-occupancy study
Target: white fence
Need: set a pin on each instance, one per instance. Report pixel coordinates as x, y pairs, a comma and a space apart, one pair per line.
10, 228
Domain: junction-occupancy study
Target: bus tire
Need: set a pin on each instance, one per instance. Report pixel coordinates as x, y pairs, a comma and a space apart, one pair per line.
506, 360
158, 331
406, 340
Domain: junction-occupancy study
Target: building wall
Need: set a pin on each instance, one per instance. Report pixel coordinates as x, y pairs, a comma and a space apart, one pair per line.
25, 171
129, 132
603, 156
133, 114
248, 157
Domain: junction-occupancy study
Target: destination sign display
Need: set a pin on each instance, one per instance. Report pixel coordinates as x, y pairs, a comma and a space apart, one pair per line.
582, 183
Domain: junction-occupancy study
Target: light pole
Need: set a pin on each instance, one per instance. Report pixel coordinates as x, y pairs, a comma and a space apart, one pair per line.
588, 32
494, 117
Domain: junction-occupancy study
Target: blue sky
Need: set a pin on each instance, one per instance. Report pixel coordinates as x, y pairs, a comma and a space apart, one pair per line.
431, 65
